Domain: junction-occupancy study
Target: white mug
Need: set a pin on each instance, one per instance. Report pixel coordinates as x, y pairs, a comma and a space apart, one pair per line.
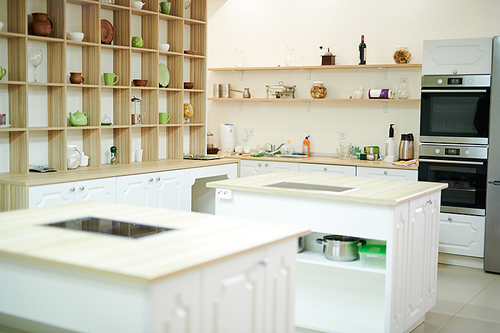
138, 155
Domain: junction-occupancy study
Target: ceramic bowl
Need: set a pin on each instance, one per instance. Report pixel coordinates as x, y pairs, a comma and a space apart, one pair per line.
164, 47
137, 4
76, 36
188, 85
140, 82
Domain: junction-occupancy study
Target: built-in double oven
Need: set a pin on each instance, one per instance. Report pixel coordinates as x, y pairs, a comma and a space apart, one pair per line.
454, 123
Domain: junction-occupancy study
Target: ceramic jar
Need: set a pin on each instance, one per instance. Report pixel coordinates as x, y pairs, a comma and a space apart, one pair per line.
76, 78
42, 24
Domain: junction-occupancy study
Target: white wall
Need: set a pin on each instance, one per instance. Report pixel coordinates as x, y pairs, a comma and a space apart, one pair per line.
264, 28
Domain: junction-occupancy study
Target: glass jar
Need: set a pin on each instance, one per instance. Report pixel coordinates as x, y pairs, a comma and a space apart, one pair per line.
403, 91
318, 90
73, 157
402, 55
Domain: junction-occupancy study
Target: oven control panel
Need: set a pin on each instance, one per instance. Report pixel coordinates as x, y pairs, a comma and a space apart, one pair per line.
456, 81
458, 151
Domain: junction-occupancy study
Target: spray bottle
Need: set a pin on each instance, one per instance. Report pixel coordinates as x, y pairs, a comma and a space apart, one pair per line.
389, 145
306, 146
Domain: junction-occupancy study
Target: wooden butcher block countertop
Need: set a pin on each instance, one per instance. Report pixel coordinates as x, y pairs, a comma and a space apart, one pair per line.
369, 190
200, 239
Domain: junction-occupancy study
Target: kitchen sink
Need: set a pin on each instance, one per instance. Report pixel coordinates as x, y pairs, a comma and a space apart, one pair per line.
287, 156
311, 187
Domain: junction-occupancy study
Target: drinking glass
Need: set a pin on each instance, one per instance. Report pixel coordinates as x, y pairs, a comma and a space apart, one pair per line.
35, 57
187, 4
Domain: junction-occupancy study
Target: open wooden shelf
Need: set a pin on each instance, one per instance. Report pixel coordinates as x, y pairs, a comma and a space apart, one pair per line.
296, 68
283, 100
97, 99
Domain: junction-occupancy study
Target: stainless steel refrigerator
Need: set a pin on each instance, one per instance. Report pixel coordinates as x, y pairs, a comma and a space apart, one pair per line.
492, 237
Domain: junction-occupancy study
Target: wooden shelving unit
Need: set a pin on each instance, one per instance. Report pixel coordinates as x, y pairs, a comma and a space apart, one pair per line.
292, 68
156, 28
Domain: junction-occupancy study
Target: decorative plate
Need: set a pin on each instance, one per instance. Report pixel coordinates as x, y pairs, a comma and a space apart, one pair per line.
164, 76
107, 32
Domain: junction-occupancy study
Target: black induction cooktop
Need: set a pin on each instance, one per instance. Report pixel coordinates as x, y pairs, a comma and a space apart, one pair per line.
109, 227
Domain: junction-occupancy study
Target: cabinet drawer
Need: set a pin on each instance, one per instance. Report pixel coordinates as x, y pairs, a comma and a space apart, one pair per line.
341, 170
461, 234
388, 173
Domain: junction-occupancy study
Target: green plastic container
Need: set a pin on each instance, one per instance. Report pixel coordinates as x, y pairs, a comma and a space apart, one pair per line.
372, 255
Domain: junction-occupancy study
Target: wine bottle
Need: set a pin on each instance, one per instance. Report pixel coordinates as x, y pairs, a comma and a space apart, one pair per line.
362, 51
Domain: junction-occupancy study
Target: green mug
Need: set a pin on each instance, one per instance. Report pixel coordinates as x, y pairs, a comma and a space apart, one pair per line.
3, 71
137, 42
165, 7
164, 117
110, 79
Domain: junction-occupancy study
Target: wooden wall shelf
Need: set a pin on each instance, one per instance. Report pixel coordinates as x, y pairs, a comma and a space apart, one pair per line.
295, 68
156, 28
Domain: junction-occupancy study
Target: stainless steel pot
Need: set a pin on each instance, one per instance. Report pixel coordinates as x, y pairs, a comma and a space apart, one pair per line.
340, 248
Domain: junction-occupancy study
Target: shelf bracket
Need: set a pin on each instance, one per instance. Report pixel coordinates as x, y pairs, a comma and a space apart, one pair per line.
308, 106
386, 70
384, 106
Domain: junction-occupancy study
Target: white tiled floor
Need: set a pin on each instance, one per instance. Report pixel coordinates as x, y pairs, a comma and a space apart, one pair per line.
468, 301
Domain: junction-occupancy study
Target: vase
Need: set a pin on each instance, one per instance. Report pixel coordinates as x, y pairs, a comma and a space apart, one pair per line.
403, 91
42, 24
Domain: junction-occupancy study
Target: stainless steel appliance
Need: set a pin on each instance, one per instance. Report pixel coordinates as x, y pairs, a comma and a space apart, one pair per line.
492, 238
406, 147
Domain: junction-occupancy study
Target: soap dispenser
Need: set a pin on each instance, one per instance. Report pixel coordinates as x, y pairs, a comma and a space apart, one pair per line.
389, 145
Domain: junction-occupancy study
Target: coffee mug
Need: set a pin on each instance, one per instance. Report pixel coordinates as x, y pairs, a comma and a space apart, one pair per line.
137, 42
110, 79
3, 71
165, 7
164, 117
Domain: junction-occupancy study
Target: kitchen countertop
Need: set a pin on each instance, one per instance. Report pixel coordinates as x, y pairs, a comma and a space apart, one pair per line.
200, 239
369, 190
106, 170
327, 160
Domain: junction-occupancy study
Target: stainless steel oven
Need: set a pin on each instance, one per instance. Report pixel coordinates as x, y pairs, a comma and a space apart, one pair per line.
455, 109
463, 168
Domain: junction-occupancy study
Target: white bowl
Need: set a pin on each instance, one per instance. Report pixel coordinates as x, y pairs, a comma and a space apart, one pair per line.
1, 26
164, 47
76, 36
137, 4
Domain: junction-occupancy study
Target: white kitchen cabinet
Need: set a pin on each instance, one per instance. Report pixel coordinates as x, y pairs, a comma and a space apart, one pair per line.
341, 170
252, 168
160, 189
103, 189
462, 234
388, 173
457, 56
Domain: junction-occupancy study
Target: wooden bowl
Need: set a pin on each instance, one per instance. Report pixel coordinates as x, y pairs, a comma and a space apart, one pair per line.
192, 52
140, 82
188, 85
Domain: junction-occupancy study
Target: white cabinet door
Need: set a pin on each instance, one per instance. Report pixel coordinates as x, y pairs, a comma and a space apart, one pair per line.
462, 234
51, 195
280, 166
103, 190
388, 173
341, 170
169, 188
135, 190
457, 56
250, 168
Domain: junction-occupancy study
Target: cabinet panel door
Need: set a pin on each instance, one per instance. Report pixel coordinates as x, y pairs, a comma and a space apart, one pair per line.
341, 170
135, 190
51, 195
233, 295
388, 173
280, 166
103, 190
250, 168
170, 189
462, 234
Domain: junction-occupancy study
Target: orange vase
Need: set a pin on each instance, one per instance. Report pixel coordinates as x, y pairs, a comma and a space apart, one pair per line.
42, 24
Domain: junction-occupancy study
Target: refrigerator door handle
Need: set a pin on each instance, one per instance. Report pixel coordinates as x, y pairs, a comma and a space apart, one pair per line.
494, 182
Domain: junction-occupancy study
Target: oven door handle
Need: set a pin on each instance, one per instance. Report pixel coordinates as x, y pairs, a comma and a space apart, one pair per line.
494, 182
450, 162
453, 91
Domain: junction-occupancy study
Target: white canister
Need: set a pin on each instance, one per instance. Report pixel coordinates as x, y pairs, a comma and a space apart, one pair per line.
227, 137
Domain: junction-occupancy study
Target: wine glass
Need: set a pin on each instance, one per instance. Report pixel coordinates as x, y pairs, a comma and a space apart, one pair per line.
35, 57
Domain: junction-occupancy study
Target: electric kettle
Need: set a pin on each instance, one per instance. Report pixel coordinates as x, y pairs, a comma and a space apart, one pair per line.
406, 147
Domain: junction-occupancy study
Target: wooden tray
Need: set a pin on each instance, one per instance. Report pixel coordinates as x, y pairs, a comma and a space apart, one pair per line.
107, 32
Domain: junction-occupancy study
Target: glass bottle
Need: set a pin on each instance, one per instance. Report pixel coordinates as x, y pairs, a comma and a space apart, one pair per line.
318, 90
291, 57
73, 157
403, 91
113, 155
402, 55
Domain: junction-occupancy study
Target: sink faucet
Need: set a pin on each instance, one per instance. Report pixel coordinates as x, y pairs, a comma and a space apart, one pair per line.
274, 151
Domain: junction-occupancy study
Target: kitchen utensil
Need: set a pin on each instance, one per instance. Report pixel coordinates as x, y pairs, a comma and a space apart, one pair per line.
340, 248
110, 79
406, 147
164, 117
140, 82
188, 113
137, 41
35, 57
42, 24
359, 94
164, 47
137, 115
137, 4
188, 85
76, 36
78, 118
164, 76
226, 91
107, 32
328, 58
245, 92
217, 90
3, 71
280, 90
76, 78
165, 7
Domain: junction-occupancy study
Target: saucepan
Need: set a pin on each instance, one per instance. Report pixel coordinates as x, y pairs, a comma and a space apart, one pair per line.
340, 248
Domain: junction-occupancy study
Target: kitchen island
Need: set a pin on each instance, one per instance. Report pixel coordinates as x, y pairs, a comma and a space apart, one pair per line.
209, 274
346, 296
